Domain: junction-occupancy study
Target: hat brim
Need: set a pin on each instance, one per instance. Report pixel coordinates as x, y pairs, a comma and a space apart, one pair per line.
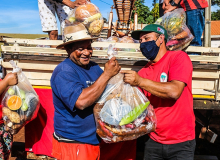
136, 34
61, 46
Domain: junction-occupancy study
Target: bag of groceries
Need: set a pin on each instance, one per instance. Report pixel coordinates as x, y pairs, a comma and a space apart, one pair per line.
89, 15
123, 112
20, 103
179, 35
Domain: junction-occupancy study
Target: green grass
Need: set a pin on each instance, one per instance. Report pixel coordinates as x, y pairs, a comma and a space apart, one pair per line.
25, 36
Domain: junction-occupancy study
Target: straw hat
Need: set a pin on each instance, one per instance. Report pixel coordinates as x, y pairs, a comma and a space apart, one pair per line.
74, 34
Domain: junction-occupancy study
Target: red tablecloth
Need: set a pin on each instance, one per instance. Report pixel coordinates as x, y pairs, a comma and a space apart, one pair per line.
38, 133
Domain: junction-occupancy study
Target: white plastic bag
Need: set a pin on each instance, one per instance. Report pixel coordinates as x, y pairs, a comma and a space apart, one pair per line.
20, 103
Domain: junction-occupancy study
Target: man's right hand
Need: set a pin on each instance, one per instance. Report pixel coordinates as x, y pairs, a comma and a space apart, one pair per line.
74, 4
11, 79
167, 7
81, 2
112, 67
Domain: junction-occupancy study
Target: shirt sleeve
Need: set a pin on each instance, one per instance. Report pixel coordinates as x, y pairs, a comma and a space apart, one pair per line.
69, 87
181, 68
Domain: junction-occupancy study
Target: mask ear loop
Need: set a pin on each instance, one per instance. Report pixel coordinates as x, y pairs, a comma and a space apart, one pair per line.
156, 41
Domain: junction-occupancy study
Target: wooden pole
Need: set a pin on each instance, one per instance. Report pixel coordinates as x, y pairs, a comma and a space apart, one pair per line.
135, 20
110, 23
207, 31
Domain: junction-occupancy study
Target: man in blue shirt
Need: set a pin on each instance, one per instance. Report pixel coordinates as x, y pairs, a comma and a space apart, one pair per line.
77, 83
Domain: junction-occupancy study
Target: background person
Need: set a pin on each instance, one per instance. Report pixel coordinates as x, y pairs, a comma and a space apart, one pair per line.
166, 80
5, 136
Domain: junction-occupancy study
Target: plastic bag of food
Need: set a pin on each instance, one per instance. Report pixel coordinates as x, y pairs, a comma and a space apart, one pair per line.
179, 36
20, 103
89, 15
123, 112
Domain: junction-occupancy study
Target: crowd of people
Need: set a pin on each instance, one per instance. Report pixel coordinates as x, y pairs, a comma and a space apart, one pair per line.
77, 83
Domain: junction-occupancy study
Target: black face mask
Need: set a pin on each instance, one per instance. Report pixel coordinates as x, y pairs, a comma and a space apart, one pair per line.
149, 49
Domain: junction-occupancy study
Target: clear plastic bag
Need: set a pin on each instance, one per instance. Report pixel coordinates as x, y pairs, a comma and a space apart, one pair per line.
89, 15
20, 103
179, 36
123, 112
112, 51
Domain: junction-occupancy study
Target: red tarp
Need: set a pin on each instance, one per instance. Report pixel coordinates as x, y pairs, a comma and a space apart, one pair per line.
38, 133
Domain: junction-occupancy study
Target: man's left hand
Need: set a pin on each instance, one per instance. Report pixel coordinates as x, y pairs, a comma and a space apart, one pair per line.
81, 2
131, 77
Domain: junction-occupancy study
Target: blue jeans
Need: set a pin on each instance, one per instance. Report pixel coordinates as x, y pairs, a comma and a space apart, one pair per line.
195, 21
179, 151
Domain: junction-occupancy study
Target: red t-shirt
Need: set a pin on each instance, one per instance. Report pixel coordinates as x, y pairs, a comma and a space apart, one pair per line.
175, 118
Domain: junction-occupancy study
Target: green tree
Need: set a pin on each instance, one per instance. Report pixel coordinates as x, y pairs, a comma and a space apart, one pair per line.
155, 11
216, 2
144, 14
215, 15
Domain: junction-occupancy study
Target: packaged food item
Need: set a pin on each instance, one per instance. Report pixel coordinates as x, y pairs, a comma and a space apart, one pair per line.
126, 39
179, 35
123, 112
113, 39
20, 103
89, 15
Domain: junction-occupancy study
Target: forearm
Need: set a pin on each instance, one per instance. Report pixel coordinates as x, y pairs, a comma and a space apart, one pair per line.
90, 95
3, 86
159, 89
68, 3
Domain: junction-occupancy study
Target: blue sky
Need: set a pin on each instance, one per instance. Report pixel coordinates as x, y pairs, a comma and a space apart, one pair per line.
22, 16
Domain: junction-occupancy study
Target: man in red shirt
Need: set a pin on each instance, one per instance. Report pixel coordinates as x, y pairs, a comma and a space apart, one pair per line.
166, 80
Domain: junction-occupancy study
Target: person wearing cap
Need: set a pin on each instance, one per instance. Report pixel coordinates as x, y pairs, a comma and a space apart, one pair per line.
166, 80
76, 84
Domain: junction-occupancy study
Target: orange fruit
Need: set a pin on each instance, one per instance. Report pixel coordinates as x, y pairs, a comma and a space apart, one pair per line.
14, 102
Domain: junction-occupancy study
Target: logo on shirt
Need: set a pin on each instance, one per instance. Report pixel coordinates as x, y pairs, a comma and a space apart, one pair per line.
89, 83
163, 77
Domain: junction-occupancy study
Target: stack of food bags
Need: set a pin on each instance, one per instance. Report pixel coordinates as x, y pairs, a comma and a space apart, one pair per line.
89, 15
179, 35
123, 112
20, 103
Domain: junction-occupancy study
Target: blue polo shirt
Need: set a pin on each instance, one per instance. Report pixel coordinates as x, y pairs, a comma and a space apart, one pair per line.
67, 82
